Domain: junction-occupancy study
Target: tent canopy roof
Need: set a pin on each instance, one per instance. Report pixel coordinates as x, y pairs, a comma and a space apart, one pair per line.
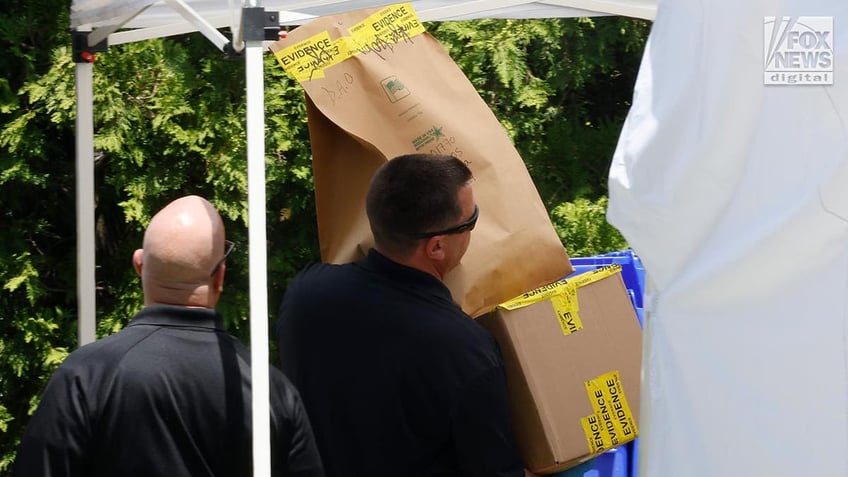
145, 19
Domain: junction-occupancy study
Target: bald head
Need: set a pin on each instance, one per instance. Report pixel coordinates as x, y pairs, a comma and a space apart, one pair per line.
182, 245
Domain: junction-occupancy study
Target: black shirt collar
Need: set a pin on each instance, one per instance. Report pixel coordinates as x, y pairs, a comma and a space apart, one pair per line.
173, 315
423, 281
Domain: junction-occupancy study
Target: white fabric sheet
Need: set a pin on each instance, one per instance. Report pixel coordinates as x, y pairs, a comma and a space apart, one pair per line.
735, 196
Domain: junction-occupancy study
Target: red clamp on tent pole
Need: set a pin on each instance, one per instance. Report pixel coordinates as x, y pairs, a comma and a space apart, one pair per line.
83, 53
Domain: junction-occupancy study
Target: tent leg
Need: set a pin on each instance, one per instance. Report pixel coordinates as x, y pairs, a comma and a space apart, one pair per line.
84, 74
258, 259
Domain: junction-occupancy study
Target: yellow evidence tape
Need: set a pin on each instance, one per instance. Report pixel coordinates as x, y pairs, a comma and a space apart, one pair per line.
307, 59
612, 423
390, 25
563, 297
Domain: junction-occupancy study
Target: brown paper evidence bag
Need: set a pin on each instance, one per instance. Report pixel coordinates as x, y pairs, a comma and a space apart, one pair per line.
378, 86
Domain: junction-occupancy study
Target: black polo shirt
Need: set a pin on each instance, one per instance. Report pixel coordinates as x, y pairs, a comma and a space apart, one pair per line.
396, 379
169, 395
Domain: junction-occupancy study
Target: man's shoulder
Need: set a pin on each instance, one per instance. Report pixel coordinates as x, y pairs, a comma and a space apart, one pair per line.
94, 363
318, 271
316, 278
112, 346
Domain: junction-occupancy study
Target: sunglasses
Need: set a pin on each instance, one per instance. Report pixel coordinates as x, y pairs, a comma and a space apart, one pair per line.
456, 229
229, 248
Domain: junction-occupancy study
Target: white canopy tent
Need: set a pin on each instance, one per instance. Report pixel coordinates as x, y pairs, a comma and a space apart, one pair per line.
99, 22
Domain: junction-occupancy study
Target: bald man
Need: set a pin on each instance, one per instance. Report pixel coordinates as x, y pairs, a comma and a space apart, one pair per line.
169, 395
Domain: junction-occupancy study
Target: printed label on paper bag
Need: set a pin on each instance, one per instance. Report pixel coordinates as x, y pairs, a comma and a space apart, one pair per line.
612, 423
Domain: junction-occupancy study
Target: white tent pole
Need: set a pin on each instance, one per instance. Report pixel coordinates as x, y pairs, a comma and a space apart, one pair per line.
254, 72
84, 74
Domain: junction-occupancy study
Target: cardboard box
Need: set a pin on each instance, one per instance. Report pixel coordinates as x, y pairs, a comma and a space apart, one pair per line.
573, 352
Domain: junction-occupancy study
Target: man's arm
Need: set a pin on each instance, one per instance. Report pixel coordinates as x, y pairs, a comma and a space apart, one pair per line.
55, 443
482, 428
298, 454
304, 460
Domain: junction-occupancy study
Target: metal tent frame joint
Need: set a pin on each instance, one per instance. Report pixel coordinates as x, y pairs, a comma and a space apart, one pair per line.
259, 25
82, 52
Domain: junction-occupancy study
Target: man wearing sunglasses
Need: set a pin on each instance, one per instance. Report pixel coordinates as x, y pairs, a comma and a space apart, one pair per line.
169, 395
396, 379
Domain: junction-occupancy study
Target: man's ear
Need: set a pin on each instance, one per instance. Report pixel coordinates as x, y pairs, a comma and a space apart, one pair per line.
218, 278
136, 260
434, 247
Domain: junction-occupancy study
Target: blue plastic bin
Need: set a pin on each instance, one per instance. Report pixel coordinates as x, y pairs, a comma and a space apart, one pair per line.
632, 272
614, 463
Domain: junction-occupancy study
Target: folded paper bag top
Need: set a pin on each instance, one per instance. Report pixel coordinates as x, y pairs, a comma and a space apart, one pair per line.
378, 86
